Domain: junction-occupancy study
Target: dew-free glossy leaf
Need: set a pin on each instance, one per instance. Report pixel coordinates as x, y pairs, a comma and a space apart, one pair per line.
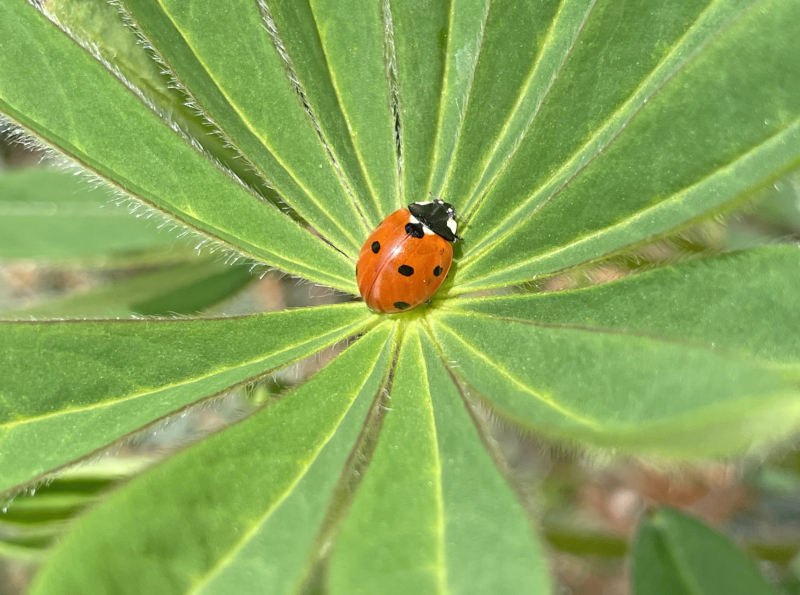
685, 108
74, 103
56, 217
244, 88
610, 387
259, 513
69, 388
740, 303
433, 514
675, 554
181, 289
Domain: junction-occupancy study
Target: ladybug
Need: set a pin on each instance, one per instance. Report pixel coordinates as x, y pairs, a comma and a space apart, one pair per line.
407, 257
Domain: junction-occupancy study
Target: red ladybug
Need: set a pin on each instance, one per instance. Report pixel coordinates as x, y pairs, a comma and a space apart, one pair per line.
407, 257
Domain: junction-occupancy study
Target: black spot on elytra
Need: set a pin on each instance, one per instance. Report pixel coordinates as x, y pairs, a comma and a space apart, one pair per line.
414, 230
376, 246
401, 305
405, 270
437, 271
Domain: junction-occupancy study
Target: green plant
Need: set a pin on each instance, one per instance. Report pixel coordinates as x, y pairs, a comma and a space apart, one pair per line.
564, 132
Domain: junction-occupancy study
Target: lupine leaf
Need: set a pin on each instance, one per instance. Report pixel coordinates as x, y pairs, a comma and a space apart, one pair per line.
70, 388
56, 217
433, 512
260, 511
740, 303
336, 54
645, 127
244, 89
675, 554
635, 364
181, 289
74, 103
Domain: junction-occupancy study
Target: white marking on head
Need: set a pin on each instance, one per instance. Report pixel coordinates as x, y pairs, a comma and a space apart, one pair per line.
428, 231
422, 203
452, 225
412, 219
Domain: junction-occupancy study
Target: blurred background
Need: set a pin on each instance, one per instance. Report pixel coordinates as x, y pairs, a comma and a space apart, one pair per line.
70, 250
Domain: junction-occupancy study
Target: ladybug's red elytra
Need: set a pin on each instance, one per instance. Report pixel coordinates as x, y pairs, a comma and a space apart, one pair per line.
407, 257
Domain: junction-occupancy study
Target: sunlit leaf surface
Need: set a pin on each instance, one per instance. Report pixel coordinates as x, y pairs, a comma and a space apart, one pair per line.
69, 388
77, 105
433, 511
259, 521
563, 131
613, 365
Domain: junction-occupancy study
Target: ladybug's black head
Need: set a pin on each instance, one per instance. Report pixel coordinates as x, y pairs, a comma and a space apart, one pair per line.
438, 216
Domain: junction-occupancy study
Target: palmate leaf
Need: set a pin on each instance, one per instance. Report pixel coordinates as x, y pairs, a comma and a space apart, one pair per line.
270, 534
70, 388
610, 121
433, 513
622, 132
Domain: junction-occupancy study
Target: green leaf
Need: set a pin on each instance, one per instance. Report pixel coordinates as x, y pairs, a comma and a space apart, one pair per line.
675, 554
335, 50
70, 388
244, 89
621, 133
433, 514
57, 217
464, 45
258, 522
180, 289
636, 365
86, 113
419, 45
740, 303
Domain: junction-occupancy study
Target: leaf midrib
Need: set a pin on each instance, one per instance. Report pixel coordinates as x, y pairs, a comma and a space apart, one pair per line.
778, 367
225, 560
549, 402
354, 327
470, 285
442, 103
494, 239
473, 206
440, 566
249, 125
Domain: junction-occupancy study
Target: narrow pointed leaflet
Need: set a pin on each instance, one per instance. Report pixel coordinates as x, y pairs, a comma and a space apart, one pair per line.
433, 511
245, 89
258, 516
703, 112
76, 104
654, 362
70, 388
